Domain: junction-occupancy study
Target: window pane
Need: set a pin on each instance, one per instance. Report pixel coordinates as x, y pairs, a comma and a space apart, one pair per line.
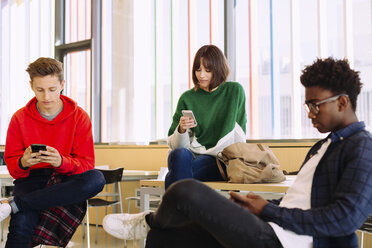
308, 53
78, 20
335, 28
78, 79
180, 52
244, 57
163, 82
363, 57
308, 31
264, 70
281, 69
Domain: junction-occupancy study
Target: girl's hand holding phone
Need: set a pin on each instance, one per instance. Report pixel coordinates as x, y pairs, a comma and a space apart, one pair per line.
187, 121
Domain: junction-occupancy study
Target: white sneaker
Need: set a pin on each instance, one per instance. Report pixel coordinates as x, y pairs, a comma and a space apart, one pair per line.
5, 211
127, 226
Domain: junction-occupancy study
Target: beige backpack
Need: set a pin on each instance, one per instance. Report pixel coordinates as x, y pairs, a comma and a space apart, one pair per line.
249, 163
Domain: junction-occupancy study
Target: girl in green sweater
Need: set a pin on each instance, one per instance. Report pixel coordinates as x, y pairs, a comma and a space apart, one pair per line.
219, 110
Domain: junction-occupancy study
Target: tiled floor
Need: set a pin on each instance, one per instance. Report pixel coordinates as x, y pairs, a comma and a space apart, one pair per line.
104, 239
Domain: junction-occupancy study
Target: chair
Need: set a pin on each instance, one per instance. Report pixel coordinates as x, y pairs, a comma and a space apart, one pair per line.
5, 192
365, 228
112, 177
153, 199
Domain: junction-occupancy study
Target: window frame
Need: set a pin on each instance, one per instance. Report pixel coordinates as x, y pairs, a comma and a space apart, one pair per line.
94, 45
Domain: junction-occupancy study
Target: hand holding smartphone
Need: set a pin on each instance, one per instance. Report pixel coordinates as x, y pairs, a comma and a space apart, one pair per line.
235, 197
190, 114
38, 147
53, 157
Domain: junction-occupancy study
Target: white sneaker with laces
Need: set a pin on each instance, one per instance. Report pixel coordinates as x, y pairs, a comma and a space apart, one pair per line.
126, 226
5, 211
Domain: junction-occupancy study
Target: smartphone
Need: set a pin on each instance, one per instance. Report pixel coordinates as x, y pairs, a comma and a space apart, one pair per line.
237, 199
189, 113
38, 147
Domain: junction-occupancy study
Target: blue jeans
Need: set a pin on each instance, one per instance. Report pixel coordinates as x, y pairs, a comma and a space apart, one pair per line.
182, 164
194, 215
31, 196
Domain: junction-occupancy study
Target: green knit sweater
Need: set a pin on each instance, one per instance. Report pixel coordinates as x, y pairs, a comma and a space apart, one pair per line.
220, 115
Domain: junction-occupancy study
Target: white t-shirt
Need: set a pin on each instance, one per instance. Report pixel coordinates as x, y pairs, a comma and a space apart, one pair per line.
299, 196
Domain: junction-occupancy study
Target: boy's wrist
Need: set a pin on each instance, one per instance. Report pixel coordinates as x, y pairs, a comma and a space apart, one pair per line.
20, 164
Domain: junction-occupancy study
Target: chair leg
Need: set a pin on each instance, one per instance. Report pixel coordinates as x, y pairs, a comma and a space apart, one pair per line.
361, 239
129, 201
2, 231
97, 226
82, 226
88, 233
121, 208
119, 199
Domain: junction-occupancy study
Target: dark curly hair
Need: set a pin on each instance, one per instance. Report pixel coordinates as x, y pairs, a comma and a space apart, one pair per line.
334, 75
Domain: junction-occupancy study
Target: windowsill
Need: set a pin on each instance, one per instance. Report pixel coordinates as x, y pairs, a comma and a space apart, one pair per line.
163, 144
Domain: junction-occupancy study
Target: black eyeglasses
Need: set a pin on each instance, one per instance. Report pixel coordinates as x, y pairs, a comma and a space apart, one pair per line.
313, 107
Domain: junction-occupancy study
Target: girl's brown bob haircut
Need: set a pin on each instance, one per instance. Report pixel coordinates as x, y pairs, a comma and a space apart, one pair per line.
214, 61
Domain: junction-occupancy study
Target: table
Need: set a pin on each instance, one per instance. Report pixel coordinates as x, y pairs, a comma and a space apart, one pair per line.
128, 175
156, 187
136, 175
5, 180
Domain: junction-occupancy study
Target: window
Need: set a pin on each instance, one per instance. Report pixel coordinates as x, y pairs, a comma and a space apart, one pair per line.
276, 39
362, 53
127, 62
147, 51
26, 34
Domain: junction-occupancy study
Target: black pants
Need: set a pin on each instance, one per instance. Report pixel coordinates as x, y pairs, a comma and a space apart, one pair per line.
194, 215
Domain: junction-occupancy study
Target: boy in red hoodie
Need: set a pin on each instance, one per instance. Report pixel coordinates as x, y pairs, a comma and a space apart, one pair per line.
56, 121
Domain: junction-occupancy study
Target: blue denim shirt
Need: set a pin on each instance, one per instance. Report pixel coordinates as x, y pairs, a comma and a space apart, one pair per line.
341, 192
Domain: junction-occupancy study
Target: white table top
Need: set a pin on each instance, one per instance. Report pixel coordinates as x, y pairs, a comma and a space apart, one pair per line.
262, 187
140, 173
128, 175
4, 173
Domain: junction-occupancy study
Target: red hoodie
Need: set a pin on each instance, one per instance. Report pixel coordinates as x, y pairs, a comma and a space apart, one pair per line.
70, 132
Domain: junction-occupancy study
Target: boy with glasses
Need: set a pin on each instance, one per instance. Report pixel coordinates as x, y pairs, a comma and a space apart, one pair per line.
329, 200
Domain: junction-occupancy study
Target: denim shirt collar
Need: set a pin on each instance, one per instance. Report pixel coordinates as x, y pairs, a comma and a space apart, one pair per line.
347, 131
340, 135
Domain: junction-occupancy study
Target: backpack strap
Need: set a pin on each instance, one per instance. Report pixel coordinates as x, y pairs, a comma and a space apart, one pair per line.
222, 172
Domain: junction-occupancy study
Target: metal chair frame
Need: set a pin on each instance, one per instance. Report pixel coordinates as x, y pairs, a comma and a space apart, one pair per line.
112, 177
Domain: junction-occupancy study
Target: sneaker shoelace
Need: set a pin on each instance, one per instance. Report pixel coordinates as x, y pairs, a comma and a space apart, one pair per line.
137, 224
